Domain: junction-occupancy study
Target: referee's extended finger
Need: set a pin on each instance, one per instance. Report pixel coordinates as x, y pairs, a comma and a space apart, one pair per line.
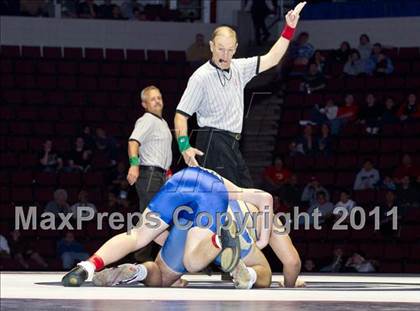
199, 152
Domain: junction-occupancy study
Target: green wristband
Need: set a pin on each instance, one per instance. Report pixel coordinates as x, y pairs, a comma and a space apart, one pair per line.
183, 143
134, 161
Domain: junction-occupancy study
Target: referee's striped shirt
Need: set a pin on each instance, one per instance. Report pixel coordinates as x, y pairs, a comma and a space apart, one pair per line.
217, 96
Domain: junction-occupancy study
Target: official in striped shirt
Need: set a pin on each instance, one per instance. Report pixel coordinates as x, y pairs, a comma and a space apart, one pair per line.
215, 93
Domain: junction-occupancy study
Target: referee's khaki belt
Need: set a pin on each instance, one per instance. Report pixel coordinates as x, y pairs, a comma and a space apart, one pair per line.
235, 136
152, 169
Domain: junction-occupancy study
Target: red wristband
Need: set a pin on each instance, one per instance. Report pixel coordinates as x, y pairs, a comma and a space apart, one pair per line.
288, 32
213, 241
97, 262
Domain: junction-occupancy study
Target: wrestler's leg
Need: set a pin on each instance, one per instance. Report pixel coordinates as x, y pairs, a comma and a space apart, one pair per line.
257, 261
199, 250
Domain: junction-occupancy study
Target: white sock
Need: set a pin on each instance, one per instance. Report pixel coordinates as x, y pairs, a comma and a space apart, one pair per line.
217, 240
89, 267
253, 275
140, 275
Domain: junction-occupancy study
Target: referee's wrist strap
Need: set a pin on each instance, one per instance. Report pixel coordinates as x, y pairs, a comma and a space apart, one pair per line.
183, 143
134, 161
288, 32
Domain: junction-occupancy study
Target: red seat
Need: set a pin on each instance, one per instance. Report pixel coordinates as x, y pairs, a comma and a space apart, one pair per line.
114, 54
108, 84
325, 178
324, 162
46, 67
73, 53
390, 145
12, 97
388, 161
364, 198
304, 162
29, 161
66, 129
51, 52
50, 114
347, 162
43, 194
372, 250
409, 53
11, 51
390, 266
93, 179
6, 66
314, 99
67, 68
355, 84
89, 69
293, 85
413, 83
394, 83
45, 179
348, 145
67, 83
116, 115
5, 194
368, 145
69, 179
99, 99
128, 84
130, 70
291, 116
26, 113
25, 81
176, 56
55, 98
135, 55
7, 81
375, 83
411, 145
31, 51
294, 100
22, 178
44, 129
319, 250
8, 160
391, 130
88, 83
18, 128
62, 145
94, 54
21, 195
93, 115
344, 180
34, 97
169, 85
156, 55
397, 251
17, 144
410, 233
110, 69
401, 68
47, 82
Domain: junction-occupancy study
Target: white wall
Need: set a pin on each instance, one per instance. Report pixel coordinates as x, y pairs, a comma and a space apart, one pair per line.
178, 36
100, 33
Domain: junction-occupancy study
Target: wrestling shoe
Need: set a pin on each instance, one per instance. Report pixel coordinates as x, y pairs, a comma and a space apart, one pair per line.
231, 248
241, 276
75, 277
123, 274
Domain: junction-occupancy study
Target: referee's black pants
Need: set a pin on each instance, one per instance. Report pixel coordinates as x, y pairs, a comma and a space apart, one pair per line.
150, 181
222, 155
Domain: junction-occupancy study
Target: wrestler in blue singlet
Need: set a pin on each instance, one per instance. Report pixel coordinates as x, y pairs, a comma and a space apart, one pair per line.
172, 252
199, 188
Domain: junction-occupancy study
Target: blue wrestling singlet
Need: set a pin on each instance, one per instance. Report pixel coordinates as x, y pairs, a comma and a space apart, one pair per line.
172, 252
198, 188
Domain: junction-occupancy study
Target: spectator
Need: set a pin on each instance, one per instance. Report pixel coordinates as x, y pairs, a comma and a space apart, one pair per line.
59, 204
336, 263
119, 175
80, 157
22, 251
389, 114
304, 144
378, 63
127, 8
105, 10
71, 251
388, 184
370, 114
313, 80
275, 176
311, 189
106, 144
291, 192
69, 8
367, 178
407, 194
323, 205
88, 137
116, 13
259, 11
4, 248
410, 110
87, 9
342, 54
365, 48
309, 266
324, 141
354, 65
406, 168
83, 202
326, 114
115, 203
345, 202
32, 7
301, 50
319, 60
357, 263
50, 160
345, 114
139, 15
198, 52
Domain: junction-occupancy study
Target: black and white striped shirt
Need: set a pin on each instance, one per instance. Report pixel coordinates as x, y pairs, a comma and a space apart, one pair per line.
155, 139
217, 96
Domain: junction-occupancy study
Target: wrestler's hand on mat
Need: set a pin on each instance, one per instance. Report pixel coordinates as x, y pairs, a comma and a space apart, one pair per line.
292, 17
133, 174
299, 283
189, 156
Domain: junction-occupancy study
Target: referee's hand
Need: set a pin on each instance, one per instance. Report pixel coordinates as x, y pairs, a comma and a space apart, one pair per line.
133, 174
189, 156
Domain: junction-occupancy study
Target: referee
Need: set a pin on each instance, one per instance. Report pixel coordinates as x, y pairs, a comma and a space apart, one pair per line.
149, 149
215, 92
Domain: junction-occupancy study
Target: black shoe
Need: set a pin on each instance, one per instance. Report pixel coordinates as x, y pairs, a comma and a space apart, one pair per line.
75, 277
231, 248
